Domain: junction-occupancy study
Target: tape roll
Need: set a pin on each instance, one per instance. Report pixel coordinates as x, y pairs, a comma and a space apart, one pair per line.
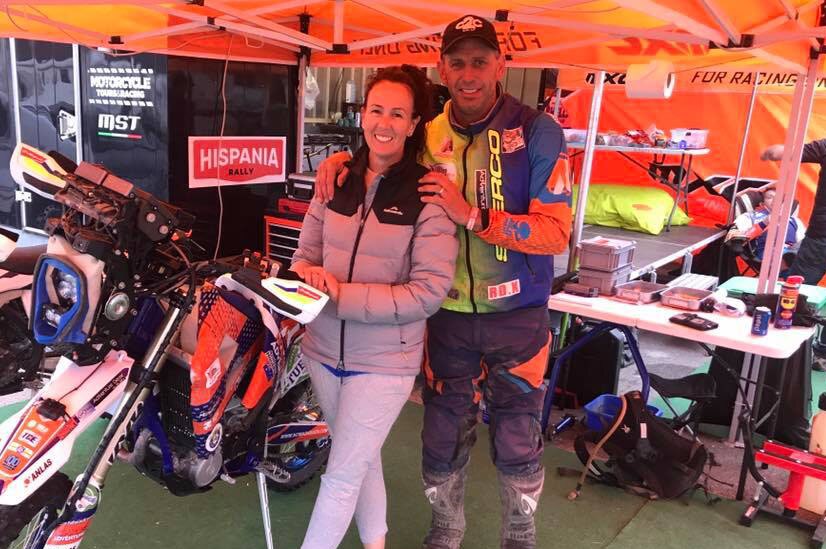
654, 80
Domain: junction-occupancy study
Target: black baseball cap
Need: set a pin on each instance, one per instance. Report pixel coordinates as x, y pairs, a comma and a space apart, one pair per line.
469, 26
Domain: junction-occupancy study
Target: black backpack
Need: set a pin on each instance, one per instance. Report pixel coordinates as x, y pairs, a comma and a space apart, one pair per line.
646, 456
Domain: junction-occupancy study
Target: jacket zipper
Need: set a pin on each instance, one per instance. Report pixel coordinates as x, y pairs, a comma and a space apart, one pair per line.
365, 213
467, 232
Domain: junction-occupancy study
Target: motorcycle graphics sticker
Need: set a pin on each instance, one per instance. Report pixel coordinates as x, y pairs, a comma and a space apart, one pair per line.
11, 462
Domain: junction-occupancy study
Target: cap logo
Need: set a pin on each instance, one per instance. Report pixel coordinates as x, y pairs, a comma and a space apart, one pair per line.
469, 24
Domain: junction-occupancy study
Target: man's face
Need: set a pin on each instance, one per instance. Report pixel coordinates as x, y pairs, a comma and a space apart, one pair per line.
470, 70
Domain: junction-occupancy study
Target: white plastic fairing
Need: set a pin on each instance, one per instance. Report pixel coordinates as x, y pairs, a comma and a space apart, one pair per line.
7, 246
33, 447
36, 171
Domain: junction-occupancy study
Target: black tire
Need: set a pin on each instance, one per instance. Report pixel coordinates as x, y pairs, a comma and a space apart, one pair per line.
14, 519
20, 354
296, 405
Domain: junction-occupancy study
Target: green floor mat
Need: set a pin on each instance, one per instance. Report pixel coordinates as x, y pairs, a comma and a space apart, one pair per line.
137, 513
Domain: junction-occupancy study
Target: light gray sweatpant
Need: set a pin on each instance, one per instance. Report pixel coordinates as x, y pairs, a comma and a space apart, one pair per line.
360, 411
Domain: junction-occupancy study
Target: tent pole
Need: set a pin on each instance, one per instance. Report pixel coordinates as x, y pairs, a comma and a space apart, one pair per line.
587, 162
746, 131
338, 22
789, 170
299, 128
557, 99
303, 61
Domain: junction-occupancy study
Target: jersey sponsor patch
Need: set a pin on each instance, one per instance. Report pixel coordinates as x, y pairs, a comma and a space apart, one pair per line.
482, 197
446, 168
505, 289
512, 140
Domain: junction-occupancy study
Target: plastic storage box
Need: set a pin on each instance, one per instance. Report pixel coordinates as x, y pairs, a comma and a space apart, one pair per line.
606, 254
689, 138
600, 412
606, 281
640, 291
684, 298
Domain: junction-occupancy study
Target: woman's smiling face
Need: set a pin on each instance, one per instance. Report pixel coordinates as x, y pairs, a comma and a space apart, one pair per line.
387, 120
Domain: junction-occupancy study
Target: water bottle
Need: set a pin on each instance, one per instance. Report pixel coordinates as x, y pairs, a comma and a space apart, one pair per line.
350, 92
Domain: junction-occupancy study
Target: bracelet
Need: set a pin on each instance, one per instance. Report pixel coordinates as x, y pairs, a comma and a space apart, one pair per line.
474, 213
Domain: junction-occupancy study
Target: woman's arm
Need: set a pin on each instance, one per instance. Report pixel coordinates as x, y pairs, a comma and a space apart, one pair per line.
310, 248
432, 264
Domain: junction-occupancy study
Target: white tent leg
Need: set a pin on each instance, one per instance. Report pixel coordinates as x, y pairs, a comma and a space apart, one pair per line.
789, 170
299, 128
746, 131
587, 162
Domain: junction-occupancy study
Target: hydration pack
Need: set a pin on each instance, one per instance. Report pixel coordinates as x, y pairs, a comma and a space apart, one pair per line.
646, 456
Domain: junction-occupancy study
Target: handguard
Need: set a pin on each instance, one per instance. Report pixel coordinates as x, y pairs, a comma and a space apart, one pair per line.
291, 298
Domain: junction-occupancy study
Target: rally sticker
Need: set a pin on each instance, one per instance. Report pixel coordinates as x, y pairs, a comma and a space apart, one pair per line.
512, 140
505, 289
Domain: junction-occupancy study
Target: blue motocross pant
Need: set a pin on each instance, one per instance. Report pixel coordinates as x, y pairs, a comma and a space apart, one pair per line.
502, 356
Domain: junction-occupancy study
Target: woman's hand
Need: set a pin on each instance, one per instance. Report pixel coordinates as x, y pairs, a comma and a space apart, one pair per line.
442, 191
333, 286
313, 275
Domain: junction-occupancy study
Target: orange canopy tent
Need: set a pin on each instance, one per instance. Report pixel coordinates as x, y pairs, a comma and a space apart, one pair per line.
771, 35
597, 33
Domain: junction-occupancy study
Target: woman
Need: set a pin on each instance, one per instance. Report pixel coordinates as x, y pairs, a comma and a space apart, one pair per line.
386, 259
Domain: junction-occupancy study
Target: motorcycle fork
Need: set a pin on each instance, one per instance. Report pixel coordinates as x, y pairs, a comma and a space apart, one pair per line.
74, 517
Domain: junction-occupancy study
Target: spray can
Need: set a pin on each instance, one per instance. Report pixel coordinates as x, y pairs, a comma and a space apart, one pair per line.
787, 302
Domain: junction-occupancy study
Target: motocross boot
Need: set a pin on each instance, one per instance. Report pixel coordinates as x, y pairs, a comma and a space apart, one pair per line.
446, 494
520, 499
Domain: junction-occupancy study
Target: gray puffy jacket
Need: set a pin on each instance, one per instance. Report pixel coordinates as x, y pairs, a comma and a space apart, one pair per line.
395, 269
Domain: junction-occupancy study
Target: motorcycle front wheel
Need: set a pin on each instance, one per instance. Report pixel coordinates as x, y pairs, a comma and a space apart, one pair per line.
290, 466
18, 523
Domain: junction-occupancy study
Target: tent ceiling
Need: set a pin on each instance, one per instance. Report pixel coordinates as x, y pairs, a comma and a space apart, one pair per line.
608, 34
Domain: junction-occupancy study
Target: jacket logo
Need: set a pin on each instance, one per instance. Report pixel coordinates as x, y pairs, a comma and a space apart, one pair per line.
513, 140
469, 24
393, 210
495, 169
505, 289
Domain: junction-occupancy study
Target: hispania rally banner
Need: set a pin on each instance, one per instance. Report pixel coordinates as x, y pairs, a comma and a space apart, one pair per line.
224, 161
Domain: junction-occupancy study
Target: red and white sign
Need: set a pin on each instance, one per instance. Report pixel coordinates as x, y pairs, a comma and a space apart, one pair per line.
224, 161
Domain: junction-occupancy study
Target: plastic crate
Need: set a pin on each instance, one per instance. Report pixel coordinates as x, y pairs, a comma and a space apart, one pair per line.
606, 254
606, 281
600, 412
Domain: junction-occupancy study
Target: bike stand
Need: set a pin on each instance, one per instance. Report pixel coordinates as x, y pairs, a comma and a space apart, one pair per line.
264, 500
800, 465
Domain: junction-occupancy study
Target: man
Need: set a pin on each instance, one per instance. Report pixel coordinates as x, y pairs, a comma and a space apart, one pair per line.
810, 262
500, 173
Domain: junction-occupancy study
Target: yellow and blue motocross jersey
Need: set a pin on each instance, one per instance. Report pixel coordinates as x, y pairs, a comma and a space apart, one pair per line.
513, 165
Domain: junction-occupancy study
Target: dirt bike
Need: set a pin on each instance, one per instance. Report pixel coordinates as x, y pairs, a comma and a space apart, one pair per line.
197, 363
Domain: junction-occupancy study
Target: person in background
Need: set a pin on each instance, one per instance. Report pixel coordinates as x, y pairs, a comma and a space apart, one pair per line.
500, 172
387, 261
810, 262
